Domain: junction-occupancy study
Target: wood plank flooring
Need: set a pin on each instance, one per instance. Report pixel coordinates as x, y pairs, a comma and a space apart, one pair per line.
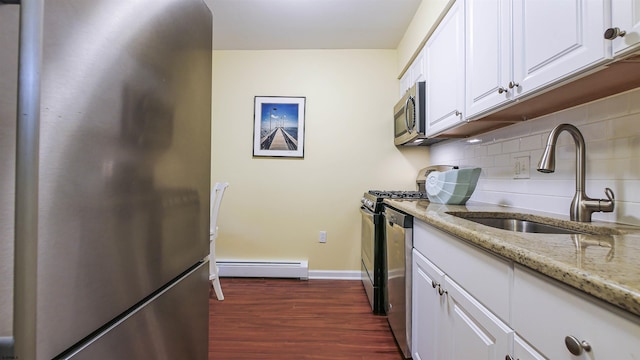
268, 319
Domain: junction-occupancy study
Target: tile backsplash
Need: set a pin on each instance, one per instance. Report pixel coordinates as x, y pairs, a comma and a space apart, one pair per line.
611, 129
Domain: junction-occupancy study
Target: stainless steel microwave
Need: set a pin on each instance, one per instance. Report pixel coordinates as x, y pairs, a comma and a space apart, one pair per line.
409, 117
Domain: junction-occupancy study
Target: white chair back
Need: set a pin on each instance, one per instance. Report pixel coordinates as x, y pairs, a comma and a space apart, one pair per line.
216, 199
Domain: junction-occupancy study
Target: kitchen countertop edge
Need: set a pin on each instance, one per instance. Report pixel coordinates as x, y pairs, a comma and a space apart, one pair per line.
514, 246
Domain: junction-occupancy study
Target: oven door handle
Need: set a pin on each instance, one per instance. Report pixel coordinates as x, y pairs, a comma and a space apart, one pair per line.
366, 211
370, 215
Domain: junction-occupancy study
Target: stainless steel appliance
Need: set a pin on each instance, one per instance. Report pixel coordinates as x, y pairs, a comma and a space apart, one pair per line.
104, 179
399, 243
409, 117
373, 246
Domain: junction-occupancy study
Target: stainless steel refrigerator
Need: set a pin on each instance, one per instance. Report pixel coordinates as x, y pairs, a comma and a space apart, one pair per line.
105, 127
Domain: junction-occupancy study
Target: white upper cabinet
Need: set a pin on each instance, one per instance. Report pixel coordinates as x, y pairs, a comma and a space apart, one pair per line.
445, 72
625, 26
488, 48
405, 82
519, 47
555, 39
418, 68
415, 73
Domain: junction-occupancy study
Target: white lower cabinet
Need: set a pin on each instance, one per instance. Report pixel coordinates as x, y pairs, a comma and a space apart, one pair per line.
475, 333
528, 317
548, 314
524, 351
449, 322
428, 337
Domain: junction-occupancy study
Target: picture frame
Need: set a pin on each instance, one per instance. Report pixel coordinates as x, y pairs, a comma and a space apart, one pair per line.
278, 126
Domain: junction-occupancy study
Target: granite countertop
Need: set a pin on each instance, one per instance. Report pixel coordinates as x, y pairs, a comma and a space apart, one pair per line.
606, 266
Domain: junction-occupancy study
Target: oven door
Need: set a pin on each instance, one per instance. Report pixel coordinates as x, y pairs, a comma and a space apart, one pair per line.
368, 236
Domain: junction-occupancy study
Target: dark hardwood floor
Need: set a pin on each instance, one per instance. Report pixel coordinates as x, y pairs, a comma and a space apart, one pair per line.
263, 319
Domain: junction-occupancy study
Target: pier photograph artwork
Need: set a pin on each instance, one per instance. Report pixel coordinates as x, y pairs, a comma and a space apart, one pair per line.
278, 126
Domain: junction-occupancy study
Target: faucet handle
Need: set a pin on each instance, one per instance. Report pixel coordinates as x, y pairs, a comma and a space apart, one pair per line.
607, 205
610, 195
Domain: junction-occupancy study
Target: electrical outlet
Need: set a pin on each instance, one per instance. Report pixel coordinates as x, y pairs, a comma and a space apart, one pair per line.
323, 236
521, 167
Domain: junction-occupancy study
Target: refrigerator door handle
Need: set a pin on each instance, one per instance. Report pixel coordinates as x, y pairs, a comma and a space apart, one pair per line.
27, 178
7, 339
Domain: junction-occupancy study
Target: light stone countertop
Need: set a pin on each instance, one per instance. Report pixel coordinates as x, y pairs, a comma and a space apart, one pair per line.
605, 266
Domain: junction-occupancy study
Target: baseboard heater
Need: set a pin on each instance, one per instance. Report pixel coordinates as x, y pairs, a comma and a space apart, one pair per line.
274, 269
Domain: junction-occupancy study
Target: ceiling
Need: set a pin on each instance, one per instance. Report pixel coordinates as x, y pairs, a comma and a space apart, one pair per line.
310, 24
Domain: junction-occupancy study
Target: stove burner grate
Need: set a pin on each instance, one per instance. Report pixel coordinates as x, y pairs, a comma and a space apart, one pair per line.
398, 194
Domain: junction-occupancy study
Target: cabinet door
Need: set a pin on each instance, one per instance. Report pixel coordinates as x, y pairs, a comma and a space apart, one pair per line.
523, 351
428, 306
626, 17
475, 333
445, 72
414, 73
556, 38
546, 312
417, 67
405, 82
488, 55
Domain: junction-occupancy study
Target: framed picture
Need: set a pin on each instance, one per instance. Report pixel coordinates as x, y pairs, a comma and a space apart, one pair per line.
278, 128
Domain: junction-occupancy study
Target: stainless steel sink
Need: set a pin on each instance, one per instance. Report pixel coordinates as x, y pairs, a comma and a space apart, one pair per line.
524, 226
526, 223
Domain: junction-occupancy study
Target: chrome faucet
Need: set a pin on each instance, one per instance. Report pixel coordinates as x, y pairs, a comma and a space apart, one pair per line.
582, 206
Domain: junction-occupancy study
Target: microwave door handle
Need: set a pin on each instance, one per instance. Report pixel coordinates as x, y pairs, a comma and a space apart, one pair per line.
406, 113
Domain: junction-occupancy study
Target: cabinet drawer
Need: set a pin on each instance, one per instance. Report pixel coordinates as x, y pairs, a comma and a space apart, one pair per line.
486, 277
545, 312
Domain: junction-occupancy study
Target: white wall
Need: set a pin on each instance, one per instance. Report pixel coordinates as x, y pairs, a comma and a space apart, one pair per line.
611, 130
275, 208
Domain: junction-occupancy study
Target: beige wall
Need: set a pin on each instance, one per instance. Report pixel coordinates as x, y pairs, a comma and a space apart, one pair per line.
422, 25
275, 208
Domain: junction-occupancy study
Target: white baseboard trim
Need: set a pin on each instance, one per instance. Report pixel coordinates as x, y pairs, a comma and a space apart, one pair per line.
281, 269
335, 275
264, 268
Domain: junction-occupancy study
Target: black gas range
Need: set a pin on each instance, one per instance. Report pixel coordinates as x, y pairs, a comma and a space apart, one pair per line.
377, 196
373, 247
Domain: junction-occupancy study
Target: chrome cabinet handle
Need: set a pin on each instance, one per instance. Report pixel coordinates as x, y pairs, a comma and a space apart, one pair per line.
502, 90
458, 113
508, 357
612, 33
513, 84
439, 288
441, 291
575, 346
